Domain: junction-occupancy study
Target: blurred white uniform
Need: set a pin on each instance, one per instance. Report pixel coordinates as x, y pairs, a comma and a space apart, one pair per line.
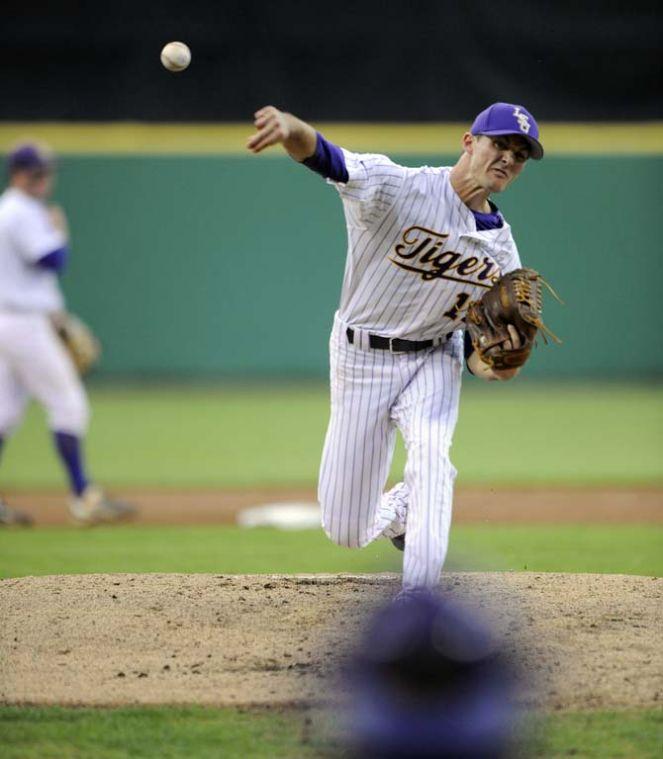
33, 361
415, 259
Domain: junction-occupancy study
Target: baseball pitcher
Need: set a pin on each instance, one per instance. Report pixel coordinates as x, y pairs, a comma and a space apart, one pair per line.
426, 247
42, 348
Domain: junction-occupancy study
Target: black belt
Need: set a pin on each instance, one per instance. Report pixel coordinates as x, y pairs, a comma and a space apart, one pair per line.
393, 344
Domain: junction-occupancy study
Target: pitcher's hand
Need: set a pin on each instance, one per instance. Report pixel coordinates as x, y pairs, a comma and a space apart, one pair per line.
272, 128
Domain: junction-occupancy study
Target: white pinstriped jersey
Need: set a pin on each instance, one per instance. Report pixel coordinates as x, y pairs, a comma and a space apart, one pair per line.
415, 257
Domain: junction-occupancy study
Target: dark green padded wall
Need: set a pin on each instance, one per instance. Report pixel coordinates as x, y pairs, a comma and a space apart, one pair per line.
226, 265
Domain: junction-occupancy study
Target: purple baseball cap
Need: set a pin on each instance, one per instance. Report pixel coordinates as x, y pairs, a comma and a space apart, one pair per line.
29, 156
430, 679
508, 118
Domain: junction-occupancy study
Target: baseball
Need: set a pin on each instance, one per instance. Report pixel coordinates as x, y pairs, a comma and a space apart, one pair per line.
175, 56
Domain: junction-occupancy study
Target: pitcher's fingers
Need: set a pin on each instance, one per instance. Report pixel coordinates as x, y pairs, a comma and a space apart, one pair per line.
263, 110
254, 139
250, 141
262, 131
265, 139
263, 119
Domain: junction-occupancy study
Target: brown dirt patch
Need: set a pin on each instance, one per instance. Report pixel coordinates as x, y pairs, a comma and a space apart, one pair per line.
585, 641
472, 505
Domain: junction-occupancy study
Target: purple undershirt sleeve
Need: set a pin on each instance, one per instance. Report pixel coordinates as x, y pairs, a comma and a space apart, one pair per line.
55, 261
328, 160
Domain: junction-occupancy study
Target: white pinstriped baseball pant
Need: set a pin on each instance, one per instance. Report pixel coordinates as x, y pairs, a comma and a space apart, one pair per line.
373, 393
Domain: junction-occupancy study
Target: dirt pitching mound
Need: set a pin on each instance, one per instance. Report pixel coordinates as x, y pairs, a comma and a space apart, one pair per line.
584, 641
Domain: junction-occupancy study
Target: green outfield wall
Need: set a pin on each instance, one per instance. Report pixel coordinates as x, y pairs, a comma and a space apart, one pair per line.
230, 265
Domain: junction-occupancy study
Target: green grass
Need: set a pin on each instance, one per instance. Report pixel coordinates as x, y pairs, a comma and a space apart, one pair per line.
58, 733
212, 548
178, 733
601, 735
629, 549
613, 549
228, 436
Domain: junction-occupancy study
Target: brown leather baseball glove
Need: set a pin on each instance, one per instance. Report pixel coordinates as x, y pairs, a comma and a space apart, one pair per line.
78, 339
515, 299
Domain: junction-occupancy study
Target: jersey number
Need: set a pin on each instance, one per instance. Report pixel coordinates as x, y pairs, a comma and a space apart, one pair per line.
459, 305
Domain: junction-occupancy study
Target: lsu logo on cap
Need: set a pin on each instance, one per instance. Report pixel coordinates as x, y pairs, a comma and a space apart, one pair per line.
523, 120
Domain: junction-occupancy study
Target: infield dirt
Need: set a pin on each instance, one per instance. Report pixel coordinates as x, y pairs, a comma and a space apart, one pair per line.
580, 641
523, 505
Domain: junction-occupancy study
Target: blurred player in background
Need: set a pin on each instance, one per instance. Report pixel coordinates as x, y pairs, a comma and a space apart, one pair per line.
34, 242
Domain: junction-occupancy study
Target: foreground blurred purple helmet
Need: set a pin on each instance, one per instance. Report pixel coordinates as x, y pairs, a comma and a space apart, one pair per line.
508, 118
430, 681
30, 156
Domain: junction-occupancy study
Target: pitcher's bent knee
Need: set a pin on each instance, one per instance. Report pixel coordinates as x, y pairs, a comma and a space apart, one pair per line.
342, 531
344, 538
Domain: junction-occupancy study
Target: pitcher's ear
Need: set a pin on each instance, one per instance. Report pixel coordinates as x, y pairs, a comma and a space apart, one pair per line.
468, 143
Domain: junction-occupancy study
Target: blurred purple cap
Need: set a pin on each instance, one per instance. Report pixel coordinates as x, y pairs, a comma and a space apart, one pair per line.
507, 118
430, 680
30, 157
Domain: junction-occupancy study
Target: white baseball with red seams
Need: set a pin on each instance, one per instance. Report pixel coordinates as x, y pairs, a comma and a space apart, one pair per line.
414, 261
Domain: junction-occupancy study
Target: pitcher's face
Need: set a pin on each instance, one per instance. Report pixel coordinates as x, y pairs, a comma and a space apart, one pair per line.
495, 161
